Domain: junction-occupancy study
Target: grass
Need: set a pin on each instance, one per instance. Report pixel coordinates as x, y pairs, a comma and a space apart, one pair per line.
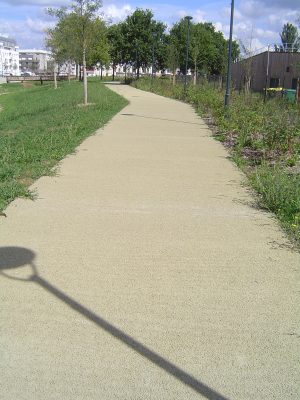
39, 126
264, 140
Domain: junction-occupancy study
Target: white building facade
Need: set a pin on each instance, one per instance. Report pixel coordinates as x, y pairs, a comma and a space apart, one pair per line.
9, 57
33, 60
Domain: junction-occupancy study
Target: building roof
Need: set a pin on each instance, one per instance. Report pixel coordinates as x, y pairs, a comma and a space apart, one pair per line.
34, 51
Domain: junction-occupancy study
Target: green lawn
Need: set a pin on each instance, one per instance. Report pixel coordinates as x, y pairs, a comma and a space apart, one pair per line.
40, 125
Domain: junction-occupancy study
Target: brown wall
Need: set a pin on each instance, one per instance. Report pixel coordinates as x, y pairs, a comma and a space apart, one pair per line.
281, 65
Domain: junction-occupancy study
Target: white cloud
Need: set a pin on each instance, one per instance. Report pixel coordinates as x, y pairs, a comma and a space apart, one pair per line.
117, 13
29, 34
285, 4
218, 26
261, 20
38, 26
199, 16
182, 13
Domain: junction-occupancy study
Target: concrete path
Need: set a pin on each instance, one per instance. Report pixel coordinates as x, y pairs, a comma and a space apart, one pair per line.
144, 272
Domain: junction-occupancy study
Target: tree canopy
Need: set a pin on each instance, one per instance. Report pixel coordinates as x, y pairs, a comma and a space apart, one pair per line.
138, 41
78, 35
289, 38
208, 47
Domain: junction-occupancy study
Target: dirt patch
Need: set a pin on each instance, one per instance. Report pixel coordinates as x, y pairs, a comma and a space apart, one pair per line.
9, 133
26, 181
26, 84
86, 105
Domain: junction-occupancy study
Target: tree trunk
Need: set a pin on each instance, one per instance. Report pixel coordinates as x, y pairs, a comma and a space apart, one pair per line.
220, 82
113, 72
55, 77
195, 74
69, 73
85, 90
174, 77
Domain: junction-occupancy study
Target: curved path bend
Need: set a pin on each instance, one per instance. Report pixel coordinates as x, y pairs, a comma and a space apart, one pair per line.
143, 271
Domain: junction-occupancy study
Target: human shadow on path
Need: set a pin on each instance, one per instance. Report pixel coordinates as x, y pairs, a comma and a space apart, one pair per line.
14, 257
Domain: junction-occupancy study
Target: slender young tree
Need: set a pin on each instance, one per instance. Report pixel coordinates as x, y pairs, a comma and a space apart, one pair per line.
73, 36
173, 57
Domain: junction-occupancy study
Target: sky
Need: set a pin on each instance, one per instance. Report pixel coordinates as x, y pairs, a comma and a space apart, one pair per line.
257, 23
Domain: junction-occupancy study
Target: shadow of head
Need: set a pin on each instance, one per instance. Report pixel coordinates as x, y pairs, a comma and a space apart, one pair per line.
14, 257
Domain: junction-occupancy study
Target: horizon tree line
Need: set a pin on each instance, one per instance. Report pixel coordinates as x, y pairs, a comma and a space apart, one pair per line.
81, 36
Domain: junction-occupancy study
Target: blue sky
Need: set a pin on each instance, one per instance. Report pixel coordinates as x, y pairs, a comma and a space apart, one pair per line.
256, 22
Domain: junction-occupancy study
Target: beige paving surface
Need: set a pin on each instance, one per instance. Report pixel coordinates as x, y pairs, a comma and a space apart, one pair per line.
144, 272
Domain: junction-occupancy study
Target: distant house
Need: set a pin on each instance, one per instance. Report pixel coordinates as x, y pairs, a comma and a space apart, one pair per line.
271, 68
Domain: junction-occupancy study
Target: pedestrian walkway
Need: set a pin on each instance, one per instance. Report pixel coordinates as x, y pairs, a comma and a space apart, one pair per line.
144, 271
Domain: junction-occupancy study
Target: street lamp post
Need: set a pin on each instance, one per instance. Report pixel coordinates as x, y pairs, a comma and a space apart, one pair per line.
188, 19
228, 81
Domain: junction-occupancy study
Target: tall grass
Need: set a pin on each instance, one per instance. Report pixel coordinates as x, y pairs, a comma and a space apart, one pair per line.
40, 125
264, 139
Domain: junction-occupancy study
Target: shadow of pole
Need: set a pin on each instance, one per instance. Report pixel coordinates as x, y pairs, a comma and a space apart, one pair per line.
135, 345
166, 119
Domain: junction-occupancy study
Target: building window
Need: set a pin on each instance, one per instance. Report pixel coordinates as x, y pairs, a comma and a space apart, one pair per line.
288, 69
274, 82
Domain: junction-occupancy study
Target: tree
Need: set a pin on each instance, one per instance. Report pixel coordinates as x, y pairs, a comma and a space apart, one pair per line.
203, 49
99, 47
60, 40
74, 34
117, 47
289, 38
173, 56
178, 35
137, 31
208, 48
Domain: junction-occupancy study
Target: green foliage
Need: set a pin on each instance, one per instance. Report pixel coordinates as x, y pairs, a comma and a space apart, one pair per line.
289, 38
203, 49
140, 38
280, 193
78, 29
117, 47
208, 48
39, 126
140, 33
99, 49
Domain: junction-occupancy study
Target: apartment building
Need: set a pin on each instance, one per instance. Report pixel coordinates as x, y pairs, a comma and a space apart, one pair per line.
9, 57
37, 61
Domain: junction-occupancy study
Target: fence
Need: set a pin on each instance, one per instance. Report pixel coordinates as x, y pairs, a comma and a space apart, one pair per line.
41, 78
